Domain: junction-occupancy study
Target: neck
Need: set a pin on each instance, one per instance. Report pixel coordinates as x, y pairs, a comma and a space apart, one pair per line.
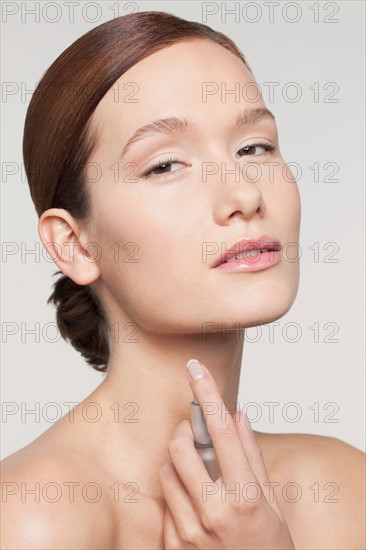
146, 394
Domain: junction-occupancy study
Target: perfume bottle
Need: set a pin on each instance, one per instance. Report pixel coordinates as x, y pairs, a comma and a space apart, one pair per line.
203, 442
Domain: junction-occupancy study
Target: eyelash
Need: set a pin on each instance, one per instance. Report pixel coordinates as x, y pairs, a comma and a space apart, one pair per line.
268, 147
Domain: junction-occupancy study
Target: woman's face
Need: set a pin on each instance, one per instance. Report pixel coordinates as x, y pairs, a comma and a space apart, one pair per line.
160, 231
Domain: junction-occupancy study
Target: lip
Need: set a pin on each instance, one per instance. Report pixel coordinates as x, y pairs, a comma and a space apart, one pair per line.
251, 263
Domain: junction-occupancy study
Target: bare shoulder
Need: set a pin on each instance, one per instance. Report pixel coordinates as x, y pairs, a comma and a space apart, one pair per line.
320, 487
50, 499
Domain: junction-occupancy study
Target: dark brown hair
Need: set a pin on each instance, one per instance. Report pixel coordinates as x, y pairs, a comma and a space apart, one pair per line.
58, 142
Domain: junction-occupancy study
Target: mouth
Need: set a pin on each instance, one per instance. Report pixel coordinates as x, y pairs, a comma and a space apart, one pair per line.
249, 251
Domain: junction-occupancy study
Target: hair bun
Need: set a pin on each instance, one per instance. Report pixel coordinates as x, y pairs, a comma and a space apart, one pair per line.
81, 320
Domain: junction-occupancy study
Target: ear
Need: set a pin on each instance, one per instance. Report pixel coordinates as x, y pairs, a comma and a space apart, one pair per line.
68, 246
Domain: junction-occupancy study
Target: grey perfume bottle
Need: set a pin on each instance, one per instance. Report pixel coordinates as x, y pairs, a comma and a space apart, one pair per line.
203, 442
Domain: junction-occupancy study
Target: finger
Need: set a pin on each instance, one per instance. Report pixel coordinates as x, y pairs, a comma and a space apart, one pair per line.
178, 502
255, 458
228, 447
170, 535
190, 466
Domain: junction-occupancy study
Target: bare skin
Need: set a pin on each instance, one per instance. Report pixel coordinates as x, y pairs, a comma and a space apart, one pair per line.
169, 218
68, 452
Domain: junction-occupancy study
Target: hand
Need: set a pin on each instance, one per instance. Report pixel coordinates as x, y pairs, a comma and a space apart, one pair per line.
204, 514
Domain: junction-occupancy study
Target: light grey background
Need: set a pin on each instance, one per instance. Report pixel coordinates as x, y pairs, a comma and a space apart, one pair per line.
325, 379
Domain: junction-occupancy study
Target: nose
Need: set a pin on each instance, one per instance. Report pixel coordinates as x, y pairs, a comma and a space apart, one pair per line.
237, 195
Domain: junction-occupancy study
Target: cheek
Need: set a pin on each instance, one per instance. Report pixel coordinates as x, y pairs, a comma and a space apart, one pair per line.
146, 265
284, 203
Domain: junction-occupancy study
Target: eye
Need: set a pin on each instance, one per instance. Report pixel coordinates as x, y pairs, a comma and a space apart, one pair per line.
162, 165
249, 150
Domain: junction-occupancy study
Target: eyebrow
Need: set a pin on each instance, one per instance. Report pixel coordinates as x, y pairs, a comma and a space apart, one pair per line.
174, 125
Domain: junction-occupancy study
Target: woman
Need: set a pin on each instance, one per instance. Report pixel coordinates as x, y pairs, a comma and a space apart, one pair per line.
135, 160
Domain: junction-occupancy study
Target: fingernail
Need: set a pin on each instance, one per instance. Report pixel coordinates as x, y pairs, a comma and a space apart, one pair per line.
195, 369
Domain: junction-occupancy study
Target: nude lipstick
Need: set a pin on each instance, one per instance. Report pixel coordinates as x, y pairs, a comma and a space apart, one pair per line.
203, 442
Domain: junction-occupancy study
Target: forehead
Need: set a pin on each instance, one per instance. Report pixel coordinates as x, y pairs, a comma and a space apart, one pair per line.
191, 77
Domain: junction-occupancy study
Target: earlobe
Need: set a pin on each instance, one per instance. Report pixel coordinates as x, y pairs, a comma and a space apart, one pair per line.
60, 235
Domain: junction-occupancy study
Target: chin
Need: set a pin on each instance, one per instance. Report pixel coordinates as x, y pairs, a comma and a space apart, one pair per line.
253, 308
269, 307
